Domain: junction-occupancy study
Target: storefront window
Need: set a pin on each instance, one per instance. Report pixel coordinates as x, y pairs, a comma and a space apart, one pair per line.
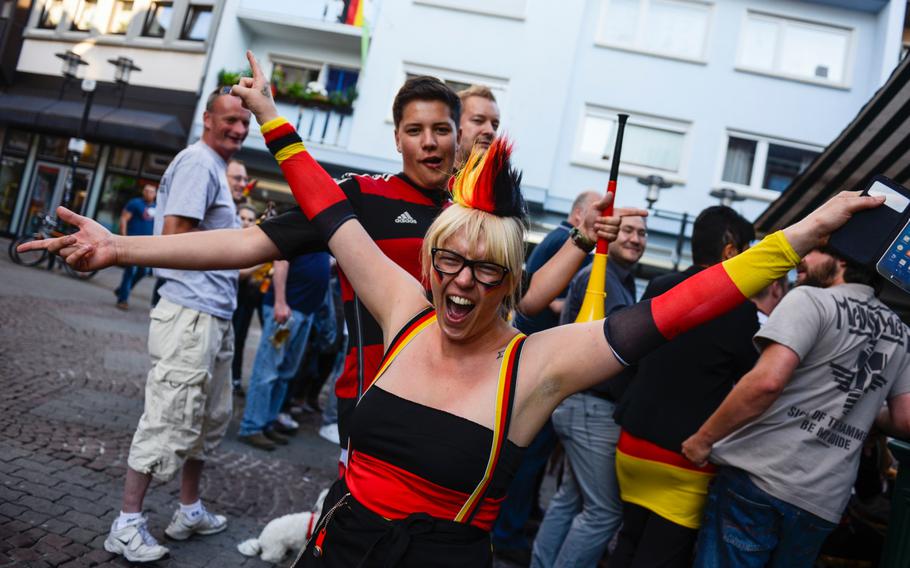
10, 177
16, 142
54, 148
125, 159
155, 164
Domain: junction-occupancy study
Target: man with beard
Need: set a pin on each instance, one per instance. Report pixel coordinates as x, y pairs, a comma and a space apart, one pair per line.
788, 437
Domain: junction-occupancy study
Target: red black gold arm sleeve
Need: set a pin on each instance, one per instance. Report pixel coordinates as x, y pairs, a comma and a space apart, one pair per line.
635, 331
320, 198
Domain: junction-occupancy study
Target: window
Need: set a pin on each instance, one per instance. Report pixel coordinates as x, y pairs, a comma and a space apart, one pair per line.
85, 14
120, 17
761, 164
458, 81
796, 49
11, 170
158, 19
650, 144
197, 23
51, 14
673, 28
451, 83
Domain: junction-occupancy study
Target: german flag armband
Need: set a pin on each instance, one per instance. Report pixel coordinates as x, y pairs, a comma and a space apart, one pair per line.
637, 330
320, 198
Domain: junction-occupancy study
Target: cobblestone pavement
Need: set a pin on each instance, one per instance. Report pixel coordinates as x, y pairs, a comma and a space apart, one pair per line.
72, 373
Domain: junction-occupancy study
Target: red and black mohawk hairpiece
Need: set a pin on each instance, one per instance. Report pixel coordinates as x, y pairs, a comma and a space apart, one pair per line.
489, 182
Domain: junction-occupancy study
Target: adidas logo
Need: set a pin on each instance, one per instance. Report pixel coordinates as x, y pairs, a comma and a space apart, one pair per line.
406, 218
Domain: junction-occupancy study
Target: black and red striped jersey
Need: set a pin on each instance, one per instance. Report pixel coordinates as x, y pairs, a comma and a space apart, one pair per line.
396, 214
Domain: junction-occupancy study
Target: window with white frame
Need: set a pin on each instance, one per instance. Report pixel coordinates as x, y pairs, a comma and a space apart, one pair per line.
182, 22
758, 164
672, 28
84, 16
295, 79
795, 48
650, 144
458, 81
121, 15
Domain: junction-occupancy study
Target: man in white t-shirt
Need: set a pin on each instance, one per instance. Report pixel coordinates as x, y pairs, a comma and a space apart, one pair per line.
188, 391
788, 437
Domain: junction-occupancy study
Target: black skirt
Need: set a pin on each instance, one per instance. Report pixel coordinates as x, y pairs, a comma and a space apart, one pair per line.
356, 537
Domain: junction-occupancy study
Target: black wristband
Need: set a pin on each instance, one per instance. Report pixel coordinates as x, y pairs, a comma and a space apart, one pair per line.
580, 240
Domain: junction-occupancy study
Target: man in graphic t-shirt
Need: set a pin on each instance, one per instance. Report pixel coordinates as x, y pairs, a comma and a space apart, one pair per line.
137, 218
788, 437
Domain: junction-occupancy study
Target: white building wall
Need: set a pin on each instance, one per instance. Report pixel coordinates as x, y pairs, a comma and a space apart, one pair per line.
543, 60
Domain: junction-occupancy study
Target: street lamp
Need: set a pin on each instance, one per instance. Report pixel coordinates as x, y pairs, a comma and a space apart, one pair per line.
71, 63
727, 196
124, 66
654, 184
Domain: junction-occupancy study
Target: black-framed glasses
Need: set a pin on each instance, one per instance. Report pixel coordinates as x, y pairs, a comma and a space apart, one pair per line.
450, 263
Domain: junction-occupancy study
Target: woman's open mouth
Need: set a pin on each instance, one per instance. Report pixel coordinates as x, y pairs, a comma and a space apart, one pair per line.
458, 308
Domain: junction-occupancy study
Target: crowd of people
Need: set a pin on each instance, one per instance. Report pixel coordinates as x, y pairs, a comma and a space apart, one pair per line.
696, 426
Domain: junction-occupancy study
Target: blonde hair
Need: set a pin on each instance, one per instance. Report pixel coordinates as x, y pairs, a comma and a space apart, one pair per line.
503, 237
481, 91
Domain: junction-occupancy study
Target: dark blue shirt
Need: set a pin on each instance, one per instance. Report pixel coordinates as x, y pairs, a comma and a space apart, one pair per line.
142, 221
542, 253
308, 280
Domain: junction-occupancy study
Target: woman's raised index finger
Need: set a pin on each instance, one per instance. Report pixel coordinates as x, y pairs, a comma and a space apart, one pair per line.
254, 66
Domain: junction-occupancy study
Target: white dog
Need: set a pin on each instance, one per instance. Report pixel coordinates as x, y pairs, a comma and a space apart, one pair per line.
280, 535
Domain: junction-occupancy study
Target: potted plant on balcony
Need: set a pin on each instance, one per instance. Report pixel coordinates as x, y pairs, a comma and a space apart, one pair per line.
227, 78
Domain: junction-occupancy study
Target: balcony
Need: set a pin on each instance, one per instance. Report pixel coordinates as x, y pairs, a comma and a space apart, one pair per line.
325, 126
284, 19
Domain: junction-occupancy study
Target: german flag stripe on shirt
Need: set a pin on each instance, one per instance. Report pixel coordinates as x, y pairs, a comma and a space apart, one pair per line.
320, 198
637, 330
661, 481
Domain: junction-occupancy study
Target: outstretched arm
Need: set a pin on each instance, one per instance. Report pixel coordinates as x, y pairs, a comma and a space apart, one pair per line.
92, 247
387, 290
575, 357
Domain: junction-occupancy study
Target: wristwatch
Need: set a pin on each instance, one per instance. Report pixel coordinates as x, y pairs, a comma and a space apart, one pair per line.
581, 240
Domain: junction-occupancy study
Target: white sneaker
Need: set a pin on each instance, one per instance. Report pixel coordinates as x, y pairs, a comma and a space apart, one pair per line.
330, 433
134, 542
182, 528
285, 420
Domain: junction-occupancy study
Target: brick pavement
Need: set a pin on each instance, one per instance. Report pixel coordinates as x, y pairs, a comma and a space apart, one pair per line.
72, 372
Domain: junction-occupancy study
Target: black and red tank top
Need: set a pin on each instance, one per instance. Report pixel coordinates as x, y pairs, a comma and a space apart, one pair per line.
409, 458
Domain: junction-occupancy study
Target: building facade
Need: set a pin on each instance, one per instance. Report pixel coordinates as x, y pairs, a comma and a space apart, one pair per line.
734, 95
135, 122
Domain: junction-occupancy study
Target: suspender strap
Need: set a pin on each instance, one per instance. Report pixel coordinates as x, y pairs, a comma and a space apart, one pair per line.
505, 396
417, 324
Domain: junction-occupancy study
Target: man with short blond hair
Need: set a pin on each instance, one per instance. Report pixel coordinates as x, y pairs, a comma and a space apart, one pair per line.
479, 120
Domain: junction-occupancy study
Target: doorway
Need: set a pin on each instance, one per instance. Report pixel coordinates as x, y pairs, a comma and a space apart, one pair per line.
47, 187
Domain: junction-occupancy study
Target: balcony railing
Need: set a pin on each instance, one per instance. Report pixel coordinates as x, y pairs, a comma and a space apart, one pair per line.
327, 126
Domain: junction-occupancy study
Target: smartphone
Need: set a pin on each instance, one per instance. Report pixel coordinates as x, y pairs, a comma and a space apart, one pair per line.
868, 232
895, 263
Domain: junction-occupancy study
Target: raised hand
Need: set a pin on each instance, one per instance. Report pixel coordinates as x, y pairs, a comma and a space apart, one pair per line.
92, 247
813, 230
594, 226
256, 92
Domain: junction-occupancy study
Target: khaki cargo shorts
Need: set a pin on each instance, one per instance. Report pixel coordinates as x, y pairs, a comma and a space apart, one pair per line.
188, 391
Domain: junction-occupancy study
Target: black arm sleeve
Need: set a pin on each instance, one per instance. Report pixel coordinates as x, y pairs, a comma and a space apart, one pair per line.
294, 234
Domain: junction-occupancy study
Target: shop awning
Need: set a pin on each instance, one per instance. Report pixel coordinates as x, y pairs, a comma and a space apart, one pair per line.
138, 128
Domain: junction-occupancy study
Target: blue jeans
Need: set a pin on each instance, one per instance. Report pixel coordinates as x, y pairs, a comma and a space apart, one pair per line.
272, 370
586, 510
745, 527
508, 532
131, 276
